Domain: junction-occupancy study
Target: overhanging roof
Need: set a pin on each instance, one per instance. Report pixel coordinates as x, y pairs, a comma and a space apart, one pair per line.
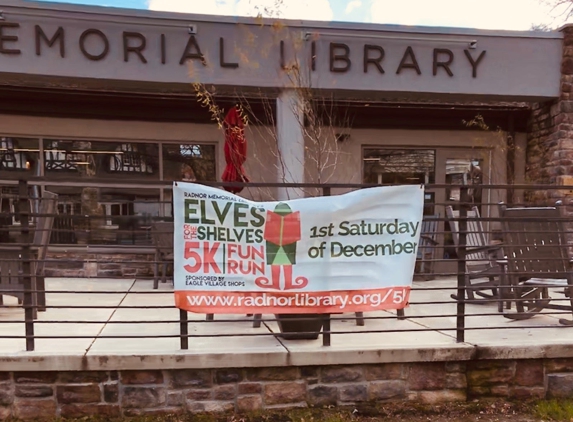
355, 60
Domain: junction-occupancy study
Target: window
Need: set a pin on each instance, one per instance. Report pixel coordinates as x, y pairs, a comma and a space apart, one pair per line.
18, 154
100, 158
129, 158
464, 172
189, 162
108, 214
61, 156
399, 166
190, 150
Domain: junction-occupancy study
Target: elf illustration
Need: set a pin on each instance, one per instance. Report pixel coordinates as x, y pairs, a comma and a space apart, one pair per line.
282, 232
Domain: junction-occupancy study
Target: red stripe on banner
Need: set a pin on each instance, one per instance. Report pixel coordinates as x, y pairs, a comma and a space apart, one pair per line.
277, 302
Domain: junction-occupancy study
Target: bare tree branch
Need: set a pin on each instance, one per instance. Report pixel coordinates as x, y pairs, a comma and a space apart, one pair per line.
561, 9
323, 121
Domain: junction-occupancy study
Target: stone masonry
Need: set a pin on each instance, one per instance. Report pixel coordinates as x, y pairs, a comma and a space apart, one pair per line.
82, 264
550, 136
29, 395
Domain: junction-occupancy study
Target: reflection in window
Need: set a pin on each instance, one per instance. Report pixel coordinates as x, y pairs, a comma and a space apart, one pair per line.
189, 162
129, 159
14, 156
399, 166
58, 156
190, 150
461, 171
125, 218
124, 215
100, 158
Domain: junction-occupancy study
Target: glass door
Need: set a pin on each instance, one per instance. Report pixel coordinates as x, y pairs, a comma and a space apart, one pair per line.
402, 166
462, 167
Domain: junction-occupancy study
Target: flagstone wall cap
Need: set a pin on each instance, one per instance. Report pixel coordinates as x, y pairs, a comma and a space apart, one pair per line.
35, 361
32, 361
49, 8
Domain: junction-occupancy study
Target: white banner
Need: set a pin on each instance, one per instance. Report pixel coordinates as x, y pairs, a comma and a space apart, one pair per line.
347, 253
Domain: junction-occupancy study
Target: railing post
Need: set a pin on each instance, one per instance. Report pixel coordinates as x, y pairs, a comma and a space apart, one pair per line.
29, 287
88, 229
326, 341
183, 329
462, 236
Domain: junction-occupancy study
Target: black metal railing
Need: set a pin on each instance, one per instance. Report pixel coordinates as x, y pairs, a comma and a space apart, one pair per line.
485, 271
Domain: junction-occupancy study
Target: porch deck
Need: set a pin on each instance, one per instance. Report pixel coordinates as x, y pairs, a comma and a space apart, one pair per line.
428, 333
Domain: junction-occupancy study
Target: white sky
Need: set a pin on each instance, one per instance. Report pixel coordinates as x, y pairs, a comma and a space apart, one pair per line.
485, 14
286, 9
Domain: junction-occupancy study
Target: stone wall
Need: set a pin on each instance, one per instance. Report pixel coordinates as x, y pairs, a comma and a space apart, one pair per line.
540, 136
76, 263
550, 136
30, 395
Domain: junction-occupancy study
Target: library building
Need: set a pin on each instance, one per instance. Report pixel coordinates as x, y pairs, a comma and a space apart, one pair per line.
106, 107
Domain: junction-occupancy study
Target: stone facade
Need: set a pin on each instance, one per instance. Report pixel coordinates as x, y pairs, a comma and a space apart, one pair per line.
540, 137
76, 263
29, 395
550, 135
